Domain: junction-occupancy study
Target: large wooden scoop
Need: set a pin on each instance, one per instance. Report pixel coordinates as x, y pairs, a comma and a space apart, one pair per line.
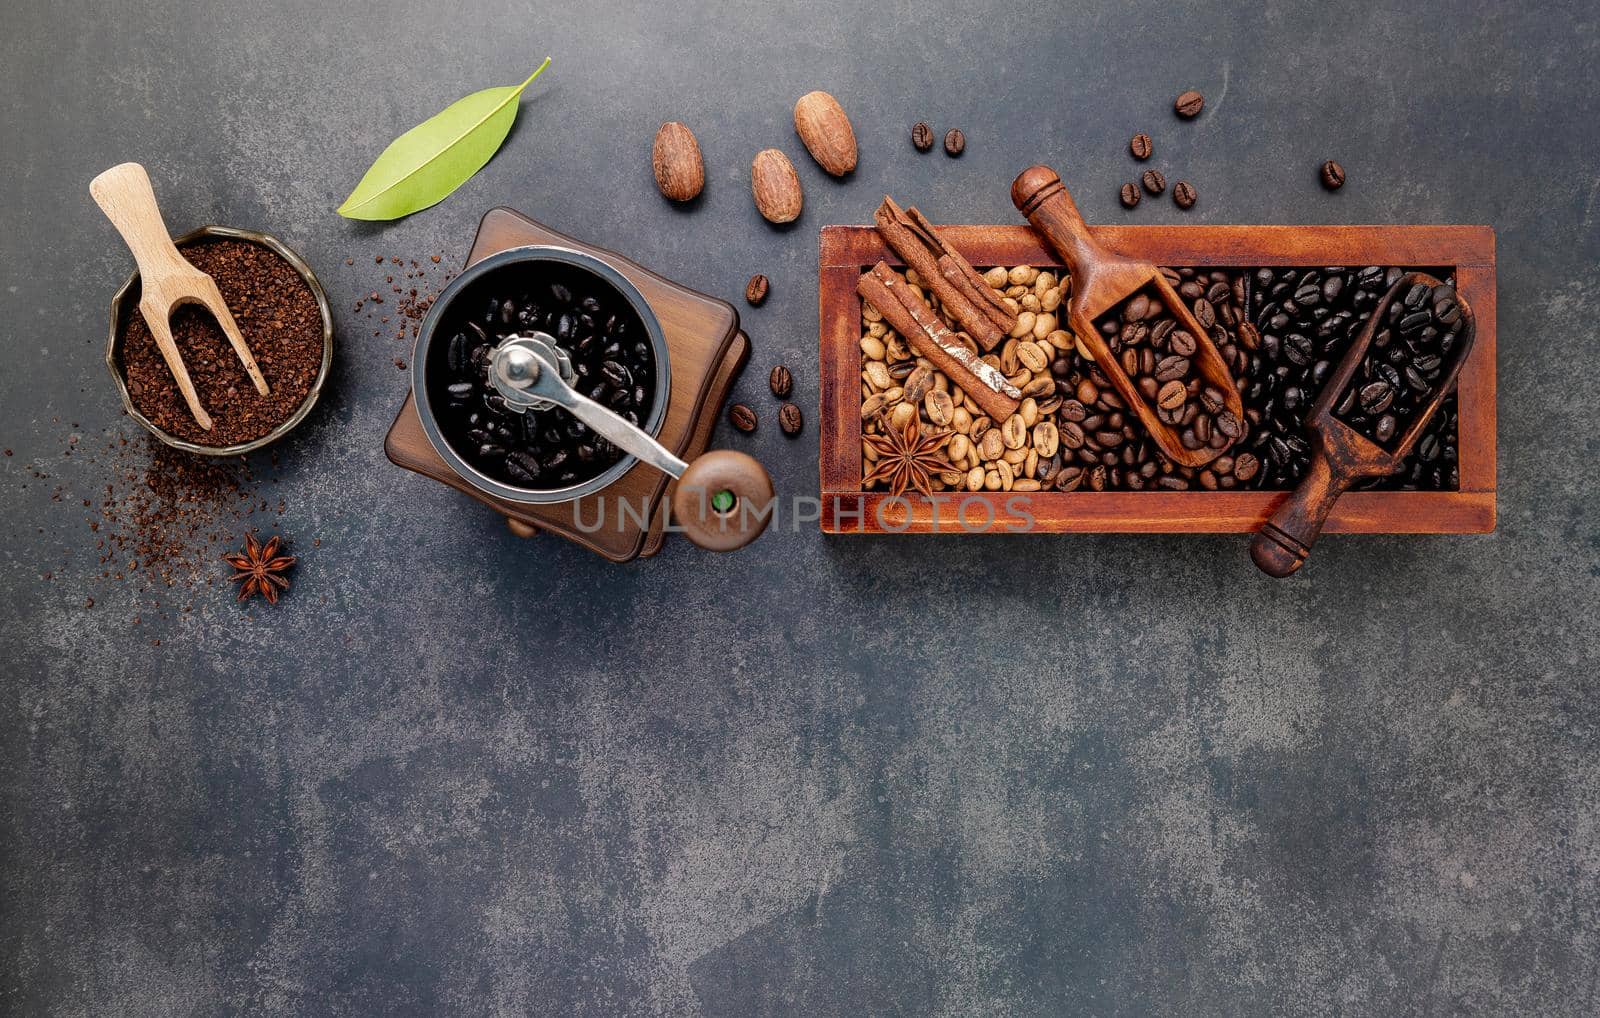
1341, 455
166, 279
1101, 280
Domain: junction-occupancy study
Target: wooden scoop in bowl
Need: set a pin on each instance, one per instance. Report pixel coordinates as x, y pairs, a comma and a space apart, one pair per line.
166, 278
1341, 455
1101, 280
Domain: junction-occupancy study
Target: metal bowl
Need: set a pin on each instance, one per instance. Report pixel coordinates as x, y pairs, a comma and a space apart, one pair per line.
126, 302
527, 260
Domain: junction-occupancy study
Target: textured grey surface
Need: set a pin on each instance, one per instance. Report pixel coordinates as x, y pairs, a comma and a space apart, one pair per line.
457, 773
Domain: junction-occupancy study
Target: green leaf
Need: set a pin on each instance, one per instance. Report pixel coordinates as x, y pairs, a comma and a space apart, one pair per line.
421, 167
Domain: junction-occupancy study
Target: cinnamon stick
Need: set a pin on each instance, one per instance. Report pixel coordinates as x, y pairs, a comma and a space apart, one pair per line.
903, 235
952, 270
911, 317
989, 302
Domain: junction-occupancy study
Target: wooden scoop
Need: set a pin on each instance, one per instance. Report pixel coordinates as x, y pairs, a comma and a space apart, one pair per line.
1100, 281
166, 279
1341, 455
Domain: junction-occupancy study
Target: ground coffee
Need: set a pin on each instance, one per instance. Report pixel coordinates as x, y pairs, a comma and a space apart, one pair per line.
281, 322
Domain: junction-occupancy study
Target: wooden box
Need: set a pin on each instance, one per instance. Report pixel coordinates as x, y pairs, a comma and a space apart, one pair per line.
846, 251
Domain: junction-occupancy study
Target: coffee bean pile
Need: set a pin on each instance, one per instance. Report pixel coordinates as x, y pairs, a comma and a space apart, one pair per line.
1300, 322
1160, 358
1092, 442
1405, 363
611, 357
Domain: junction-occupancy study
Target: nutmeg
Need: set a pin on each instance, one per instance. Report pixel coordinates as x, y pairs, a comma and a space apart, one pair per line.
680, 173
826, 131
776, 186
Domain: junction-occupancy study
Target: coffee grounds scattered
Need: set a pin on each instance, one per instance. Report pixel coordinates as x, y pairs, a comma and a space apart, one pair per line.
410, 293
281, 323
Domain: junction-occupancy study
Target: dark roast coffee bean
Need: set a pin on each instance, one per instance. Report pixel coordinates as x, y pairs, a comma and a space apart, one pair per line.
1184, 195
1189, 104
780, 382
955, 142
1376, 396
742, 417
1129, 196
921, 136
1140, 146
1332, 175
789, 419
1153, 181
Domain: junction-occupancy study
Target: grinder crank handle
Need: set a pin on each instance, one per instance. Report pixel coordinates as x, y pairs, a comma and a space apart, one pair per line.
1281, 545
723, 500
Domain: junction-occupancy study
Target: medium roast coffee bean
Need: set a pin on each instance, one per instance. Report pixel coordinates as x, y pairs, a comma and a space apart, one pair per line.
781, 382
1153, 181
742, 417
756, 290
1140, 146
1189, 104
955, 142
1183, 194
922, 136
1332, 175
789, 419
1129, 195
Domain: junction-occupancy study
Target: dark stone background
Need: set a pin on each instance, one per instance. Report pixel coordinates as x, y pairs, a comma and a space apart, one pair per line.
454, 772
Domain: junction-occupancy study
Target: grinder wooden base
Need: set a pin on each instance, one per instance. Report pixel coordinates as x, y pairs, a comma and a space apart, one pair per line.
706, 351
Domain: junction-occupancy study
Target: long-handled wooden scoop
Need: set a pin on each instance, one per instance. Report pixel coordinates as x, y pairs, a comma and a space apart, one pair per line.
1341, 455
166, 279
1102, 280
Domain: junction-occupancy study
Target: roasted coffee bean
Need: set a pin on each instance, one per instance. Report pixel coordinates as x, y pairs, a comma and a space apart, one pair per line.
1153, 181
1140, 146
789, 419
921, 136
1204, 313
1129, 195
1184, 195
780, 382
955, 142
1332, 175
756, 290
1189, 104
742, 417
1172, 395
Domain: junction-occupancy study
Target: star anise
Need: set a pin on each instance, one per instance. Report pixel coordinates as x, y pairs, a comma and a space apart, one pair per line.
261, 568
908, 458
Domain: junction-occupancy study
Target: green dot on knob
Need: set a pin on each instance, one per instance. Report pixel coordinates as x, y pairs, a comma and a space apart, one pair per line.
722, 501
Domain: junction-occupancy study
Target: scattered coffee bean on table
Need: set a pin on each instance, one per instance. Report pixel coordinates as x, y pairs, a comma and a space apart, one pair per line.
1140, 146
281, 323
1129, 195
1153, 181
742, 417
790, 420
922, 136
756, 290
1183, 194
612, 359
781, 382
1189, 104
1332, 175
955, 142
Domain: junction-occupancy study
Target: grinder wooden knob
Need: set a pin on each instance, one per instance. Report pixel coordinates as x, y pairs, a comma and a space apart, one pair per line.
723, 501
